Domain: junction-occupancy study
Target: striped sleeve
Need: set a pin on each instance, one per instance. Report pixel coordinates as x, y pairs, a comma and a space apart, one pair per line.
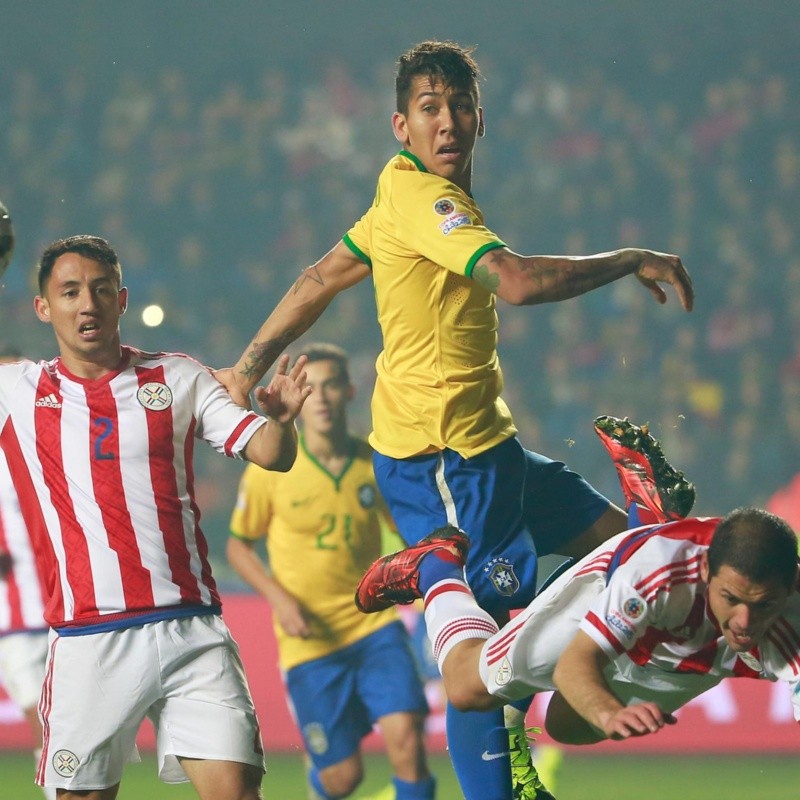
224, 425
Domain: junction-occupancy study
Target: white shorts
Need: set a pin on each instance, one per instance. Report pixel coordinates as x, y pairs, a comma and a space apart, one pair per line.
524, 653
184, 674
22, 658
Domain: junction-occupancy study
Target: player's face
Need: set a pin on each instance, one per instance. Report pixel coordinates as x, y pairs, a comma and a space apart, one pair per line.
83, 304
744, 610
440, 129
324, 410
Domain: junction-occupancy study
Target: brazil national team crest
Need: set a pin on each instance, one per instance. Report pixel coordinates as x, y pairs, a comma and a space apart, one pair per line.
501, 573
315, 738
155, 396
366, 495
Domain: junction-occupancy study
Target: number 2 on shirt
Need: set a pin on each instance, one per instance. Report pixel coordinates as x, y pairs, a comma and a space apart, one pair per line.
102, 428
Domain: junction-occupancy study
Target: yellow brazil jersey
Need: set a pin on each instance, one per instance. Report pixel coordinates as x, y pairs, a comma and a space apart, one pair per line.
439, 380
321, 532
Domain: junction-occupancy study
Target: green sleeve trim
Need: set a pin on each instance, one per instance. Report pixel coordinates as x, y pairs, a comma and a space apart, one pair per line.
412, 157
243, 538
477, 255
357, 251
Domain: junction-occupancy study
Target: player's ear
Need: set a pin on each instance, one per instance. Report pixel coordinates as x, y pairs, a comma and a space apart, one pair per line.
481, 123
122, 298
42, 309
400, 128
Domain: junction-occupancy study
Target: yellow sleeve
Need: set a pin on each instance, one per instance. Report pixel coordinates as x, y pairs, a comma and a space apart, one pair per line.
439, 221
357, 238
253, 510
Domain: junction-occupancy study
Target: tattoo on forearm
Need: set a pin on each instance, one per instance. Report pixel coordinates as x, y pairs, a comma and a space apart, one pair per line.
489, 280
263, 354
309, 274
552, 277
261, 357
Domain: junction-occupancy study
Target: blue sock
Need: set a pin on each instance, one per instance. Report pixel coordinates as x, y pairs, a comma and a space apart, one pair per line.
438, 566
313, 779
522, 704
478, 747
420, 790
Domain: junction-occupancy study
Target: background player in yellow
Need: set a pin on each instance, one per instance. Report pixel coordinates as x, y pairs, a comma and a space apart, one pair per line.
344, 670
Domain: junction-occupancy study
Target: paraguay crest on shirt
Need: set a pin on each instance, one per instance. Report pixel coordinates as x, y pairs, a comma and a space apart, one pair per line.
155, 396
500, 572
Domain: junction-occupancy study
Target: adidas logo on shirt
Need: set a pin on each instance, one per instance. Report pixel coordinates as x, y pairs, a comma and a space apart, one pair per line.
50, 401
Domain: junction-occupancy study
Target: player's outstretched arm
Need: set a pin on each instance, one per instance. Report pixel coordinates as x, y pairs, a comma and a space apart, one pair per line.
274, 445
578, 676
528, 280
299, 309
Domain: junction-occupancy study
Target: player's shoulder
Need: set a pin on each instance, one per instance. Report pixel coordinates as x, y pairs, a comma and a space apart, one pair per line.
25, 364
172, 360
408, 172
689, 532
667, 546
13, 370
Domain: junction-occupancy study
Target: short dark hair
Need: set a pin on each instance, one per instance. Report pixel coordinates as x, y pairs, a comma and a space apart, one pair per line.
92, 247
757, 544
324, 351
443, 62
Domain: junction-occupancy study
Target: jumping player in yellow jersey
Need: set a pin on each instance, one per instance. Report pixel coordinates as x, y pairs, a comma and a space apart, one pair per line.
344, 670
446, 446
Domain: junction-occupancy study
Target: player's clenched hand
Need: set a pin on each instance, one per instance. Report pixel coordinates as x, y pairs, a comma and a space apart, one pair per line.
636, 720
287, 391
291, 617
655, 268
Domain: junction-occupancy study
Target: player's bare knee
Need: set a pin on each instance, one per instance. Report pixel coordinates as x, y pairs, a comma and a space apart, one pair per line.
342, 779
470, 695
463, 685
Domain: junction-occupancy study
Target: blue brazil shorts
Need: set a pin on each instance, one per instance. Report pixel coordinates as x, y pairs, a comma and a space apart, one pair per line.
514, 505
337, 699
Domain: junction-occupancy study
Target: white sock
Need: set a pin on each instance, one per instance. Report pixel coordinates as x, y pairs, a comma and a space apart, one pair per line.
453, 615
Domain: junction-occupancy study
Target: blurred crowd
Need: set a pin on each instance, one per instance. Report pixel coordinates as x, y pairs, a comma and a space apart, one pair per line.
217, 192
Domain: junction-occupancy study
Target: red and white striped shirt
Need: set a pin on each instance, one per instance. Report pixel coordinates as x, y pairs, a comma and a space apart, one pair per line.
22, 590
103, 471
654, 609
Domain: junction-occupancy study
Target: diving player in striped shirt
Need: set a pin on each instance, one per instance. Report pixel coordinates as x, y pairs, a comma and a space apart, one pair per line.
649, 620
99, 444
